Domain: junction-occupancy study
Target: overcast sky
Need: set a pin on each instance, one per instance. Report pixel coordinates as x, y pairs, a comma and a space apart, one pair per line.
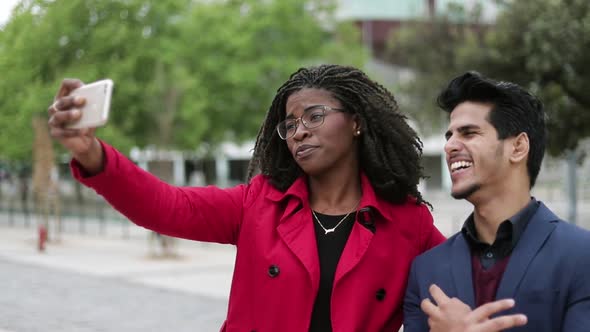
5, 9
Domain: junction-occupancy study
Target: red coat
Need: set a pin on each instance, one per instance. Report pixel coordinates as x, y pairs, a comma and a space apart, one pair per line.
276, 274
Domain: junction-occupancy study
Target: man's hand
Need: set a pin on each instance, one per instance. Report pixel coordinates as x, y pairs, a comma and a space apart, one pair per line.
452, 315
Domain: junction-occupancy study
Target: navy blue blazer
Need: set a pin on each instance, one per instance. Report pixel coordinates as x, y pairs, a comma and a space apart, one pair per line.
548, 276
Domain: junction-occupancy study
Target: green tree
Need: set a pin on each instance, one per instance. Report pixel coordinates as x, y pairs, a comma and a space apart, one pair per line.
434, 49
543, 45
185, 72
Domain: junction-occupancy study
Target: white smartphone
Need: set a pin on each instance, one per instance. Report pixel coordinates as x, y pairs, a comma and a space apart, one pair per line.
95, 112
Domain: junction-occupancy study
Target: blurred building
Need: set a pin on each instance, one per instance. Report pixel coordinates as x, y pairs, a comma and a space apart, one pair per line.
226, 165
377, 19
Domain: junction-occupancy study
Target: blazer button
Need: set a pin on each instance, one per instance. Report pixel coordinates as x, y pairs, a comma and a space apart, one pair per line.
273, 271
380, 295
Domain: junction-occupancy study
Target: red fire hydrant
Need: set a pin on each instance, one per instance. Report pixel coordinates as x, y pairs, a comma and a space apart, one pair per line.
42, 237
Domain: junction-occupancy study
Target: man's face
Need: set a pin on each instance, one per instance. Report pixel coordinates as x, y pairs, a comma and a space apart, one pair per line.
475, 156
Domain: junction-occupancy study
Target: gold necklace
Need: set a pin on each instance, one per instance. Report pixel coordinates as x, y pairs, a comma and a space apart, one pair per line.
331, 230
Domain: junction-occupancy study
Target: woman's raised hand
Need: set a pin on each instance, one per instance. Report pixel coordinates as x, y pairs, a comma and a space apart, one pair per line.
82, 143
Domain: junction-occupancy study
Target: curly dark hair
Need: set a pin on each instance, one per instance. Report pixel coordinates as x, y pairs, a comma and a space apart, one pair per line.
389, 149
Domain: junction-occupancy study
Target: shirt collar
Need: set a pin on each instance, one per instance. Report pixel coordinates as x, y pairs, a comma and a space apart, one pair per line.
509, 230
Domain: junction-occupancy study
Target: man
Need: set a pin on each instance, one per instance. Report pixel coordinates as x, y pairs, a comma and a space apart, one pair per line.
512, 246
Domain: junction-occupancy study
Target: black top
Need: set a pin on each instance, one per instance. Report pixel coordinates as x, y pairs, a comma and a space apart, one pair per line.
330, 247
507, 236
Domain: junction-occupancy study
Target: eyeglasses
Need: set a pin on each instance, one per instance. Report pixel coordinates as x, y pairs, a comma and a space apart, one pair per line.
312, 117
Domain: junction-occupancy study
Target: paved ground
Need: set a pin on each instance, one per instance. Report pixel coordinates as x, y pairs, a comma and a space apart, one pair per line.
38, 298
90, 283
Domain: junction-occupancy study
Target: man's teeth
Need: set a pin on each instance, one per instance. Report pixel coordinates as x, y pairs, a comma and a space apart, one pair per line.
460, 164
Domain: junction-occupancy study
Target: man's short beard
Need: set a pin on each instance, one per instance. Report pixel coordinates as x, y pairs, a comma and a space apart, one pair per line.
467, 192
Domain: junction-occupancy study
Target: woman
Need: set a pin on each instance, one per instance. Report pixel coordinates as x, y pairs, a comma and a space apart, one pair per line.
325, 234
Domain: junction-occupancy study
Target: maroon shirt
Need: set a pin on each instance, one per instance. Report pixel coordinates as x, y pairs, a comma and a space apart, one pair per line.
489, 261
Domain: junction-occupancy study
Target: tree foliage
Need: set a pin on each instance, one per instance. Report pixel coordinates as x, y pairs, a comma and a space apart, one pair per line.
186, 72
543, 45
435, 49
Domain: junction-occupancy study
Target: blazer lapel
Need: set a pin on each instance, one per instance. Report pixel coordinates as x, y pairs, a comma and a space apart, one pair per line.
461, 270
535, 234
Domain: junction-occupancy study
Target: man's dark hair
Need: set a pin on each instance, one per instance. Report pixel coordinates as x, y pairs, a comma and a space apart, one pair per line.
389, 149
514, 111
